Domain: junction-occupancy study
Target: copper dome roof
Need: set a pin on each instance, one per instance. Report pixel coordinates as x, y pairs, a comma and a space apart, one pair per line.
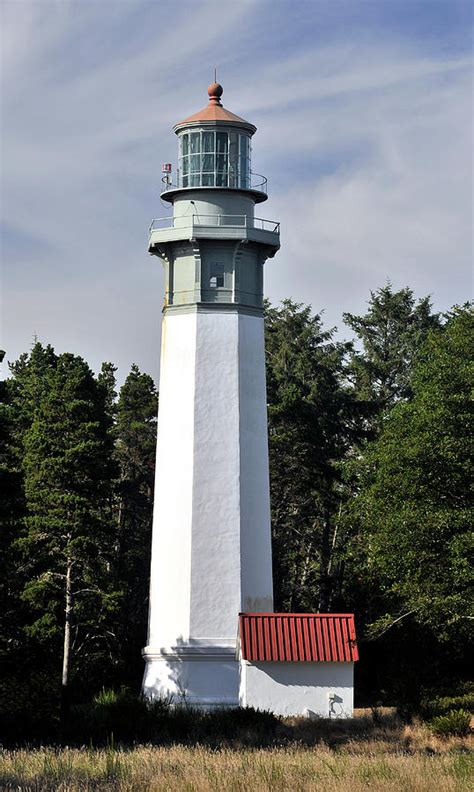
215, 112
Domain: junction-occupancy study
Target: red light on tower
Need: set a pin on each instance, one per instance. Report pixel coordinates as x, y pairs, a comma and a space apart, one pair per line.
166, 167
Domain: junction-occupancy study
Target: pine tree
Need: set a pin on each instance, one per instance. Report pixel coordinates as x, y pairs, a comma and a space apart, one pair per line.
391, 333
11, 514
310, 426
20, 396
135, 449
106, 380
67, 544
414, 510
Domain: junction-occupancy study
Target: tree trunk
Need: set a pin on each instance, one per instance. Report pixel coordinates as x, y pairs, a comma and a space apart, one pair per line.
324, 584
334, 575
67, 642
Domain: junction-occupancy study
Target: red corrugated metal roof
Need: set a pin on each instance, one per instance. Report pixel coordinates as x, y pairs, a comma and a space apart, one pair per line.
322, 637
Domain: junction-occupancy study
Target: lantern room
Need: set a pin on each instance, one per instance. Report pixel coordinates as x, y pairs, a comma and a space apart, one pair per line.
214, 158
215, 150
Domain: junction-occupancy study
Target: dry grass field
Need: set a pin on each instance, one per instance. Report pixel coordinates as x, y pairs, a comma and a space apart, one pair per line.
353, 756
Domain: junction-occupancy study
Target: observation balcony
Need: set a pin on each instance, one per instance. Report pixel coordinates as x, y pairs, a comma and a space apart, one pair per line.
216, 226
254, 183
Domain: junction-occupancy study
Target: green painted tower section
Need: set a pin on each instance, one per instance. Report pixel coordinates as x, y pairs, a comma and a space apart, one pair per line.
214, 247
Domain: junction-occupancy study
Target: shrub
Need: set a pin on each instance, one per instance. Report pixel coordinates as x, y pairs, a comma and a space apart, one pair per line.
441, 705
129, 718
245, 724
126, 718
454, 724
28, 708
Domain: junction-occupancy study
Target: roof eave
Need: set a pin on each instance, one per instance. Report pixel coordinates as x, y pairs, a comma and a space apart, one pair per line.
214, 122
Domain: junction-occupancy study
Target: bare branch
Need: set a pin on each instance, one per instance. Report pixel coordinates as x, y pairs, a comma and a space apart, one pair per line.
403, 616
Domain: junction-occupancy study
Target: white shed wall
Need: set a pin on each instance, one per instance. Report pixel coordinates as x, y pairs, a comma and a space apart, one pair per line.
297, 688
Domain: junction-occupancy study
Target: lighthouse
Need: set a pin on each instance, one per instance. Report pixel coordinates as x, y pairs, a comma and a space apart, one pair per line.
211, 546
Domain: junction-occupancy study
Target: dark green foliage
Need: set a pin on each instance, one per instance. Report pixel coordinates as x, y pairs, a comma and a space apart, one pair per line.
131, 719
414, 514
441, 702
76, 524
127, 718
29, 701
454, 724
310, 419
391, 334
135, 448
65, 549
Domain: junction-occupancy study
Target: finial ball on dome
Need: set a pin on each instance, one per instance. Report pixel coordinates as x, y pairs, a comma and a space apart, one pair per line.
215, 90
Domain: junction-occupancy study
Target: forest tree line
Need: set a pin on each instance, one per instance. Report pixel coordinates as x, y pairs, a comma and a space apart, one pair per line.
369, 470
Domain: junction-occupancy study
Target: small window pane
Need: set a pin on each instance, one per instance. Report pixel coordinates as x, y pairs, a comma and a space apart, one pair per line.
185, 144
195, 142
195, 163
243, 172
208, 141
208, 180
222, 143
194, 180
185, 165
216, 280
233, 159
221, 175
184, 181
208, 163
244, 145
233, 144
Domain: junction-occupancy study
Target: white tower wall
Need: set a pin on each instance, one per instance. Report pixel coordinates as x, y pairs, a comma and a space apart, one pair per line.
211, 555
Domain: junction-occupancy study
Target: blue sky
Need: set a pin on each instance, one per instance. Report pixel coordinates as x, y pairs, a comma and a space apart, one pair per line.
364, 117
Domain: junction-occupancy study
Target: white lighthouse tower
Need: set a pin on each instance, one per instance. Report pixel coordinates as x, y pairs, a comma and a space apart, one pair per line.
211, 552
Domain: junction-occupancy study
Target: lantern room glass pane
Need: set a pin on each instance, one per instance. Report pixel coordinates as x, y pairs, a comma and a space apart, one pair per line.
208, 163
233, 159
208, 141
222, 143
185, 145
195, 142
195, 163
244, 161
222, 148
221, 170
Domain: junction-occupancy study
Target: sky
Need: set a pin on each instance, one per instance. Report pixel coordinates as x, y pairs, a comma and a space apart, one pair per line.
364, 116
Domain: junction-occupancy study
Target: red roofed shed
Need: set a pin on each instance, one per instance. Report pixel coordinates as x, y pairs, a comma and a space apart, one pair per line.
310, 637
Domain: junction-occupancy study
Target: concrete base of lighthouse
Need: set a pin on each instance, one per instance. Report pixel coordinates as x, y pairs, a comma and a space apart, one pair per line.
196, 675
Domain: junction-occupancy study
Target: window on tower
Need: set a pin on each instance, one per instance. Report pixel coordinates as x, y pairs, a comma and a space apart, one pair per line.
216, 280
214, 159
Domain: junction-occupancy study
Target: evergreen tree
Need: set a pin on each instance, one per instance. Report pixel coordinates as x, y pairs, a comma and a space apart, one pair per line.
107, 382
67, 544
11, 513
135, 449
391, 334
414, 510
310, 426
20, 396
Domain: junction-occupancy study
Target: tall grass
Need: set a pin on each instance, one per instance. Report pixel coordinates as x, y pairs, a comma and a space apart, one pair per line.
181, 769
357, 754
